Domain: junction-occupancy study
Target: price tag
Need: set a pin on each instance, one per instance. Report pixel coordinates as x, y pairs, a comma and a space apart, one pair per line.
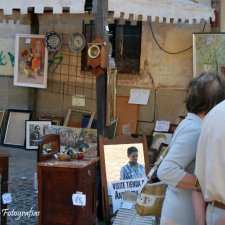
28, 40
6, 198
79, 199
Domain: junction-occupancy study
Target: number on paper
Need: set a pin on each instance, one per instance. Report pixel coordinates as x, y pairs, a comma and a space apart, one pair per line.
79, 199
6, 198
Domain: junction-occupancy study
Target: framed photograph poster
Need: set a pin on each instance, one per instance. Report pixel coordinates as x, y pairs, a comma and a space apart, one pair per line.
31, 61
14, 132
208, 53
35, 130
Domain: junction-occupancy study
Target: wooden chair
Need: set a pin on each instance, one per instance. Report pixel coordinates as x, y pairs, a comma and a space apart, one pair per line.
48, 146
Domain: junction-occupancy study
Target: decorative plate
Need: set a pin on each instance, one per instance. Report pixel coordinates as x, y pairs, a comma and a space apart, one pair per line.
53, 41
77, 42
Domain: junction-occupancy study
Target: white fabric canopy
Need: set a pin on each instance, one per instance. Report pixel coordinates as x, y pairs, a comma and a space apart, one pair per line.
184, 10
75, 6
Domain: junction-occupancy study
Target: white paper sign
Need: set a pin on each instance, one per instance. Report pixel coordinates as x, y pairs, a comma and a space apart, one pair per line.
6, 198
126, 129
78, 100
162, 126
79, 199
139, 96
127, 205
118, 187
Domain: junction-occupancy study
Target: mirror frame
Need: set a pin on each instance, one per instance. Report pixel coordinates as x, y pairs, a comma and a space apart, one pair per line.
120, 139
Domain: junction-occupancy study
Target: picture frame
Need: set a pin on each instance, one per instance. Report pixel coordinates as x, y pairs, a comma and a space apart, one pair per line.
111, 95
160, 137
35, 130
162, 148
208, 53
2, 112
56, 120
31, 61
14, 130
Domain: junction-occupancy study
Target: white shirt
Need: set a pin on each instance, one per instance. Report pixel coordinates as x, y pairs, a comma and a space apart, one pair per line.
210, 158
177, 206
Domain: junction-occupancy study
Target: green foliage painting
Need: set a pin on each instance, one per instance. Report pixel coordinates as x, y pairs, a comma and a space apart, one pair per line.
208, 53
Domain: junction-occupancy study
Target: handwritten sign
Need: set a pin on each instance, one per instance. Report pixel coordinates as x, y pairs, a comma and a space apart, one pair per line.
162, 125
6, 198
118, 187
78, 100
79, 199
139, 96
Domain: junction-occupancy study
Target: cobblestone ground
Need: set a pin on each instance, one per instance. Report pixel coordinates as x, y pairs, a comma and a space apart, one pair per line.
22, 167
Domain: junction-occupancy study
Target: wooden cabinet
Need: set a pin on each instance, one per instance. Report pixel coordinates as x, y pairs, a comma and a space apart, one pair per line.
57, 181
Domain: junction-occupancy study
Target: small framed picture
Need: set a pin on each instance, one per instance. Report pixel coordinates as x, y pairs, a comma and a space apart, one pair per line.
31, 61
35, 130
56, 120
14, 130
160, 137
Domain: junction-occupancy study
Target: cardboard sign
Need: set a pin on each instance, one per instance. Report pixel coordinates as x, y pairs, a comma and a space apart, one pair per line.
118, 187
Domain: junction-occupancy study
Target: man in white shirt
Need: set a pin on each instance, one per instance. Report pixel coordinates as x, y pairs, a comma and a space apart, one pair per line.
210, 164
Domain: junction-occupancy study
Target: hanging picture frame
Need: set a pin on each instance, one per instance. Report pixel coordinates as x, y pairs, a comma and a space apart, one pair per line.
208, 53
31, 61
14, 130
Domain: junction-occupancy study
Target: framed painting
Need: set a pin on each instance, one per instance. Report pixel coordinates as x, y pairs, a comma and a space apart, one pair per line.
14, 131
35, 130
31, 61
111, 95
208, 53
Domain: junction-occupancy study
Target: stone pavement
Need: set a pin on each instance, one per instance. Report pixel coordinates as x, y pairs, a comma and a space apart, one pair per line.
22, 167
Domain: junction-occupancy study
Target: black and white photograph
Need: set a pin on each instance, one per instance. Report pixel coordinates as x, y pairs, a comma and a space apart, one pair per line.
35, 130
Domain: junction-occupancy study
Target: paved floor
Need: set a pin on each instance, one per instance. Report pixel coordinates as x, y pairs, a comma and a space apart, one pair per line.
22, 166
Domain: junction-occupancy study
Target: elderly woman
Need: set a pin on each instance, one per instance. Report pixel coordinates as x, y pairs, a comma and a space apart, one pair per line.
176, 170
132, 169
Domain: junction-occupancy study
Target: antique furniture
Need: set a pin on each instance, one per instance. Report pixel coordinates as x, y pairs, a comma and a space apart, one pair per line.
113, 153
4, 163
58, 181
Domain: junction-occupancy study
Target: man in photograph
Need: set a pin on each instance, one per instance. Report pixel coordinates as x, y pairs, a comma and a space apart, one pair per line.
35, 136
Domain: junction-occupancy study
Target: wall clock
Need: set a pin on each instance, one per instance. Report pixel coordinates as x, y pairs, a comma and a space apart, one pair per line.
77, 42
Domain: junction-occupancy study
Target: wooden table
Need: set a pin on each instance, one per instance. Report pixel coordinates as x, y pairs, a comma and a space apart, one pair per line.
57, 181
4, 167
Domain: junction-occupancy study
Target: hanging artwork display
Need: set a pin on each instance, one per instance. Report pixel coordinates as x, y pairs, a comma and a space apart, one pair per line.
208, 53
31, 61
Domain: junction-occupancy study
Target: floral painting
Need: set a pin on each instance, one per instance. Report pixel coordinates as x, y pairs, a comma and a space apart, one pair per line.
31, 59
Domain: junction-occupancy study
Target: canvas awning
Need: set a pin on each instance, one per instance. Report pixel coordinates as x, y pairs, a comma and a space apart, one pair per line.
74, 6
166, 10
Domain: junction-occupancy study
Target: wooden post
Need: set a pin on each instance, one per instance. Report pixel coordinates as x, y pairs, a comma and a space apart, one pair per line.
101, 81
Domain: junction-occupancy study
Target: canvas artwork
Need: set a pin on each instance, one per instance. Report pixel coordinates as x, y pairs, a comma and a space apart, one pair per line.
208, 53
31, 61
76, 138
